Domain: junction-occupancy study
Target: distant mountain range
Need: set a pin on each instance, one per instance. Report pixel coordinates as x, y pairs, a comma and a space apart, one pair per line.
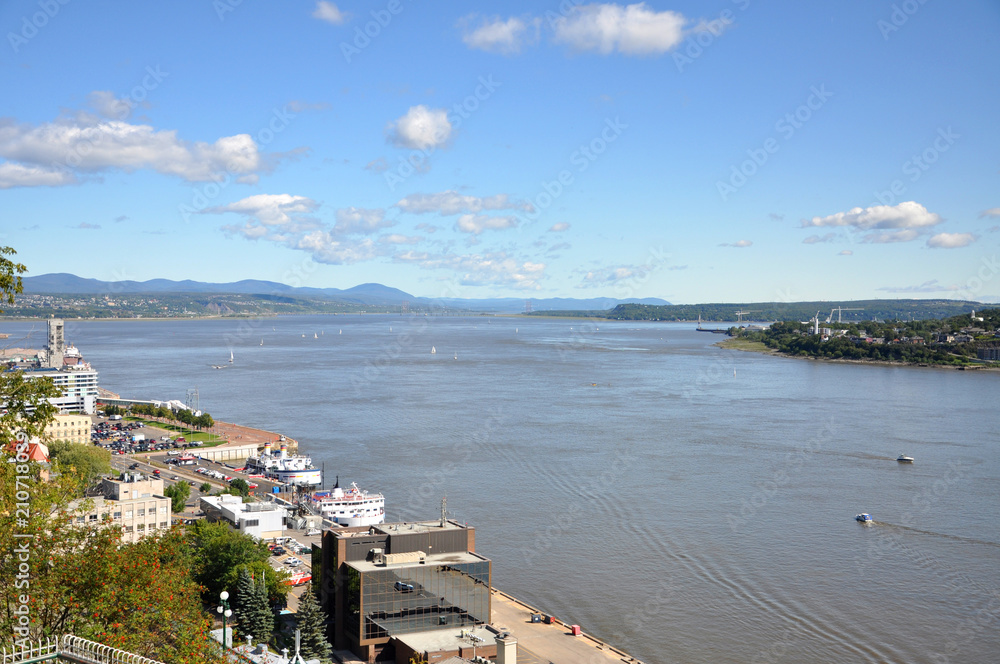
364, 294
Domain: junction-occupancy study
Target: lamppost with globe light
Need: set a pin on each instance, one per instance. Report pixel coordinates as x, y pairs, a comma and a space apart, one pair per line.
226, 612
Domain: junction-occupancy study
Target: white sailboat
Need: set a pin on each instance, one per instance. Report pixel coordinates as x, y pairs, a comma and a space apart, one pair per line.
433, 350
315, 336
230, 357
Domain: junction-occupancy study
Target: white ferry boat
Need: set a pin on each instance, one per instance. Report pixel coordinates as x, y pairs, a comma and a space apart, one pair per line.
351, 507
283, 467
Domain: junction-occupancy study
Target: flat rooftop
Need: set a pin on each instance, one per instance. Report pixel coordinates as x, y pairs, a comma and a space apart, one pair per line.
429, 561
437, 640
404, 527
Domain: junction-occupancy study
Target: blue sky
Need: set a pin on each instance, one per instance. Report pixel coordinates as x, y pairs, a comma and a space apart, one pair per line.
713, 151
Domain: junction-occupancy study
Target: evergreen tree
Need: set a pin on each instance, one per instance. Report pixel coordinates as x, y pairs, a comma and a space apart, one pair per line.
259, 618
311, 621
243, 599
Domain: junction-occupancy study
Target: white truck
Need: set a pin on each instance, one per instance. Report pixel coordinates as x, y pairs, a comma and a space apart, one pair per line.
138, 438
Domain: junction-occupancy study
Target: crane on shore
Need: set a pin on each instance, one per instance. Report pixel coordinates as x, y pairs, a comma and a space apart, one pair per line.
740, 314
839, 310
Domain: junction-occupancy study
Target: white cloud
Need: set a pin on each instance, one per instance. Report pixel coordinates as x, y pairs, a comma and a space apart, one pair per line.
421, 128
951, 240
361, 220
905, 215
85, 143
487, 269
992, 212
739, 244
846, 252
477, 223
610, 276
633, 30
269, 210
87, 227
498, 36
19, 175
559, 227
396, 238
327, 11
451, 202
326, 248
379, 165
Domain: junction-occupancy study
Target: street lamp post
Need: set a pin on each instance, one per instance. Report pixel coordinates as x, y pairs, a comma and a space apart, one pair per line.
226, 612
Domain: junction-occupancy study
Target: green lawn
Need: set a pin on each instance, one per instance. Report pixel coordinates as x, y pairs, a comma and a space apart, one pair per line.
192, 435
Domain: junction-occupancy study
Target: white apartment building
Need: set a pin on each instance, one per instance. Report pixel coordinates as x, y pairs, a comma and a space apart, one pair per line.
133, 502
261, 520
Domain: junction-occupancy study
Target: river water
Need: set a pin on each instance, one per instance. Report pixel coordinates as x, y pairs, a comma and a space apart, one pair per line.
685, 503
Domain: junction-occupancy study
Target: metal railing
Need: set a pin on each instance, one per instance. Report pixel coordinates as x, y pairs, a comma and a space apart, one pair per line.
72, 648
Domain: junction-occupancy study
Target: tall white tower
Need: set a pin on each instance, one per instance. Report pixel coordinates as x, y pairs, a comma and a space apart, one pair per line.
56, 345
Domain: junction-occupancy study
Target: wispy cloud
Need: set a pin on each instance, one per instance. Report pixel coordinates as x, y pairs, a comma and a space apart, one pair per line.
361, 220
559, 227
739, 244
992, 212
87, 227
497, 268
329, 12
451, 202
495, 35
817, 239
477, 223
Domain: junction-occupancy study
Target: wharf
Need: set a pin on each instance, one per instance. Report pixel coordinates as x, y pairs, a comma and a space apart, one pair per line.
541, 643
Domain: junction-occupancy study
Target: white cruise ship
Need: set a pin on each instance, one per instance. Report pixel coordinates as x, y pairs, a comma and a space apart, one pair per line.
283, 467
351, 507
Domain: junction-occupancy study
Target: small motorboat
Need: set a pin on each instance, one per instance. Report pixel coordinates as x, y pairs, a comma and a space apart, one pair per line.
864, 517
902, 458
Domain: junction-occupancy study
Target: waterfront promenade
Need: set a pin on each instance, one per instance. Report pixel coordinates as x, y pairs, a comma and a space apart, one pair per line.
541, 643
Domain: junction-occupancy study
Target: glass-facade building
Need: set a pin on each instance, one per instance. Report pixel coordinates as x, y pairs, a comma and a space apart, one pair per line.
401, 599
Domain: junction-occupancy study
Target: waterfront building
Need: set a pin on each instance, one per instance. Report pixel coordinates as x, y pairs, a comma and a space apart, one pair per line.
74, 377
260, 520
133, 502
407, 588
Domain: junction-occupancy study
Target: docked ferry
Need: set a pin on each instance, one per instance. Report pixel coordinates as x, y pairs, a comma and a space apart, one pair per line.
283, 467
350, 507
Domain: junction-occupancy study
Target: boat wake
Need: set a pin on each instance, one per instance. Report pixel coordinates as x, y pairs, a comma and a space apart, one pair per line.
956, 538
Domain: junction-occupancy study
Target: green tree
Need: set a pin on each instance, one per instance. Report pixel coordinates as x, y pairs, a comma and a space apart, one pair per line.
239, 487
10, 276
256, 616
242, 597
205, 487
178, 493
86, 461
218, 554
311, 621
